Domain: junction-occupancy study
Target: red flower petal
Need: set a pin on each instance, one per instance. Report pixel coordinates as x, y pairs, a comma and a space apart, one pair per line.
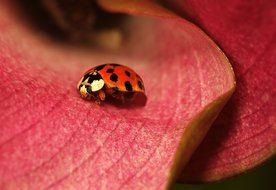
50, 137
244, 135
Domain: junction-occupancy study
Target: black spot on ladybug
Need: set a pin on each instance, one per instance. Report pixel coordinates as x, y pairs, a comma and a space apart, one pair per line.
128, 86
110, 70
94, 77
90, 79
85, 76
114, 64
88, 89
114, 77
127, 73
100, 67
140, 85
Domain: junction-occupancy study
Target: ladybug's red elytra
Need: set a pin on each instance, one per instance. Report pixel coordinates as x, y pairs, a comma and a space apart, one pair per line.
114, 80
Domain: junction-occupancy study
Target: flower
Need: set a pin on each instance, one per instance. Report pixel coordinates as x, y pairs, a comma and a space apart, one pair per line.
50, 137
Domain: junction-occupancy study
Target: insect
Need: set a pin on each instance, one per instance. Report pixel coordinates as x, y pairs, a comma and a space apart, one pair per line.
110, 80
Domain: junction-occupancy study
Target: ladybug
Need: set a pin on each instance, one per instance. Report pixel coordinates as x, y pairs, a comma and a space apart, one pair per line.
110, 80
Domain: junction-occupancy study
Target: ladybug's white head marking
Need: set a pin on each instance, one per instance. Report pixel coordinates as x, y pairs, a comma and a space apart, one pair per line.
83, 91
97, 85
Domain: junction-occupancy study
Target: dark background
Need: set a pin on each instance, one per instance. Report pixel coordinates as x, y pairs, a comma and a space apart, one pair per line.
262, 178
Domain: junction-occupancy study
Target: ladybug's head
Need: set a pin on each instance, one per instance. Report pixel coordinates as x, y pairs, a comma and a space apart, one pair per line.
90, 84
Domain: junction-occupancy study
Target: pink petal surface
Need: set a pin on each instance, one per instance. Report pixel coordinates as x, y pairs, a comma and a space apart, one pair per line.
244, 135
51, 138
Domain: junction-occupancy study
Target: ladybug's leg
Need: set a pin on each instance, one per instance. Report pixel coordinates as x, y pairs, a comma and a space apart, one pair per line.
95, 97
115, 93
98, 101
101, 95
